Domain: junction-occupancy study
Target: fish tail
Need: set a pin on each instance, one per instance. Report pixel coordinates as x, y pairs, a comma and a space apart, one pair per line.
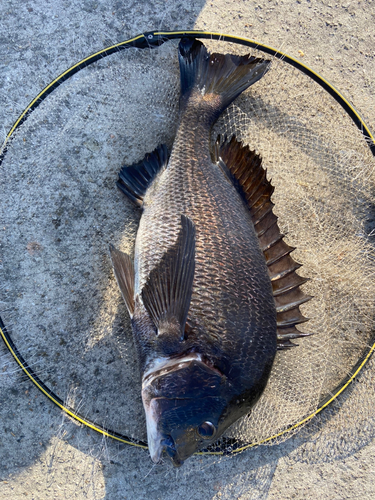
217, 78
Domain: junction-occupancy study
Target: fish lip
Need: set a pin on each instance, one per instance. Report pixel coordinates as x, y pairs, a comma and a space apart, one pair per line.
157, 441
165, 448
174, 458
160, 444
154, 436
169, 448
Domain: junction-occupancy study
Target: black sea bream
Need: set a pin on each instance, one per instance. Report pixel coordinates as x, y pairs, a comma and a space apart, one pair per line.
212, 289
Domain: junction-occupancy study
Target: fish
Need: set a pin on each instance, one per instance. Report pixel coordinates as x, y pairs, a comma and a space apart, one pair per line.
212, 291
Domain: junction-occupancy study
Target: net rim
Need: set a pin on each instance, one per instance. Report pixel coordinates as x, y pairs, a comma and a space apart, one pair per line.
154, 39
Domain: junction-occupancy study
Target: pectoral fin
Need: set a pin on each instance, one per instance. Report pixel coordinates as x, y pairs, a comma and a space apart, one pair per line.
124, 273
167, 293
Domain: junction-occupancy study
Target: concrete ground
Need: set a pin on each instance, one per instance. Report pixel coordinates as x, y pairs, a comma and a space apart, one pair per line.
43, 455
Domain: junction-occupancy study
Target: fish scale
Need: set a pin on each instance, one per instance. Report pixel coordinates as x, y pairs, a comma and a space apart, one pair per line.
202, 305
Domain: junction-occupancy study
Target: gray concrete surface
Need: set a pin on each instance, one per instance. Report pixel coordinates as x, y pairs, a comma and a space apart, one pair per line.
43, 455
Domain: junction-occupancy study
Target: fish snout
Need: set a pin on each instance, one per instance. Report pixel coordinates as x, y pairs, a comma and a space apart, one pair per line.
169, 448
159, 442
165, 446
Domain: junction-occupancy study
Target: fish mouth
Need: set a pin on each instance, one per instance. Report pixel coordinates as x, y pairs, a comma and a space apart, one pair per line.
167, 446
170, 449
154, 436
158, 443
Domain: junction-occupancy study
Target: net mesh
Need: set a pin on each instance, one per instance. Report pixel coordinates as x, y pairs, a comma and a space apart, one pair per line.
60, 209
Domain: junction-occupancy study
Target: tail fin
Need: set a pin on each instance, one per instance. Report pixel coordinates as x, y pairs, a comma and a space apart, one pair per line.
223, 75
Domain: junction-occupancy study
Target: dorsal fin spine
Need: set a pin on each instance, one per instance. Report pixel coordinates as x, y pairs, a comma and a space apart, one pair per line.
273, 242
259, 214
275, 259
283, 274
264, 231
285, 289
267, 190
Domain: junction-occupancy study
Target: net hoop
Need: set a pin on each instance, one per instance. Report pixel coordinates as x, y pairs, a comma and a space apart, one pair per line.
149, 40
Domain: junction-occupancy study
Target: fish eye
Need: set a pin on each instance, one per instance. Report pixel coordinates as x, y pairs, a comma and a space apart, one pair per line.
206, 430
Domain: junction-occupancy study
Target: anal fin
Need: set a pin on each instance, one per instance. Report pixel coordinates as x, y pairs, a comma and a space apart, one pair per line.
124, 273
249, 177
167, 292
135, 179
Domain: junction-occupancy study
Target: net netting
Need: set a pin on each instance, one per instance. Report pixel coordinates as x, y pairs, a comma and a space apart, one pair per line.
60, 209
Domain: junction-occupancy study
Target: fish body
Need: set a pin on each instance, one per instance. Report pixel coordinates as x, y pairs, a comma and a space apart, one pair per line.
199, 292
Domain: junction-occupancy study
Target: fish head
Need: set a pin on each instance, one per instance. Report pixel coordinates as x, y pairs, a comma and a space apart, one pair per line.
178, 428
183, 404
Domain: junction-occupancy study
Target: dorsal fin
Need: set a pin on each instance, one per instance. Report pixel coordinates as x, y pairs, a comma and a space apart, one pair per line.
245, 169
